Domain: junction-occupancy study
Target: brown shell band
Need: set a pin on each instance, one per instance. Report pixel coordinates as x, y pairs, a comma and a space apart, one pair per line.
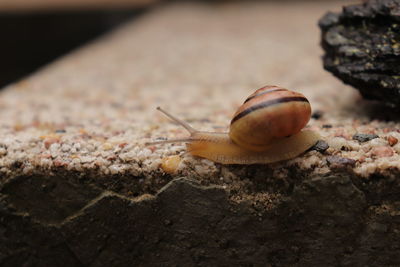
268, 104
263, 93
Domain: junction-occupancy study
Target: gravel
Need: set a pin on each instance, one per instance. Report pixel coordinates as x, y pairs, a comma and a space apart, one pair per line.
93, 110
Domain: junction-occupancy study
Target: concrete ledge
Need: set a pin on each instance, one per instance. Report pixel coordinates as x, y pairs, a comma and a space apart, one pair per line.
79, 187
325, 221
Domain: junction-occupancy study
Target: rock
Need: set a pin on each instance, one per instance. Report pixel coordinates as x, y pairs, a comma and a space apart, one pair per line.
323, 221
364, 137
382, 151
362, 48
170, 164
391, 140
336, 162
320, 146
317, 114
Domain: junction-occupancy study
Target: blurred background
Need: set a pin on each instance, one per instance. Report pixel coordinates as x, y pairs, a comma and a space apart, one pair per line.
35, 32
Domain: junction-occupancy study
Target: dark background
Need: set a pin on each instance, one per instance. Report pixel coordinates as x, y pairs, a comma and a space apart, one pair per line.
31, 39
37, 33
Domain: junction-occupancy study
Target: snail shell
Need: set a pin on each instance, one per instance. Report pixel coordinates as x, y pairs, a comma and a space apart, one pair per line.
266, 128
270, 112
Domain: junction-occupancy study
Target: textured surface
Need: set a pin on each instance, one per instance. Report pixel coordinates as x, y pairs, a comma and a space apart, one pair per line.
362, 46
93, 111
78, 186
325, 221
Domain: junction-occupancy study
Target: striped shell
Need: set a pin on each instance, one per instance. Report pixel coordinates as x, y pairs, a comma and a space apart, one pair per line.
270, 112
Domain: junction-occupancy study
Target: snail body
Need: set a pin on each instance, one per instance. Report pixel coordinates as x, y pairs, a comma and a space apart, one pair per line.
266, 128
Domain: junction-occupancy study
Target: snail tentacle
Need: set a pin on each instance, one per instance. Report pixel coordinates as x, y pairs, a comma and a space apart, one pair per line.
186, 125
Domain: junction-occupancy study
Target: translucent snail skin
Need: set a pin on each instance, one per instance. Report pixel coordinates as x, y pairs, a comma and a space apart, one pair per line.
266, 128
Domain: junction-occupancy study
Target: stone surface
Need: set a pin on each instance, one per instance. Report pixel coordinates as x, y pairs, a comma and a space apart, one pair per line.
364, 137
324, 221
320, 146
362, 48
78, 186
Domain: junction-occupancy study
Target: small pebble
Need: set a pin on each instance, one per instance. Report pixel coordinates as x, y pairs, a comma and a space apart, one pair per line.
54, 147
382, 151
337, 143
18, 127
396, 148
320, 146
342, 132
77, 146
48, 141
114, 169
128, 156
392, 140
378, 142
122, 145
3, 151
170, 164
339, 162
327, 126
361, 159
317, 114
65, 148
59, 163
107, 146
364, 137
152, 148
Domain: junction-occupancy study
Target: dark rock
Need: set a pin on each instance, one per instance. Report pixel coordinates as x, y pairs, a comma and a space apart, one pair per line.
323, 221
320, 146
45, 199
329, 197
362, 48
336, 162
317, 114
364, 137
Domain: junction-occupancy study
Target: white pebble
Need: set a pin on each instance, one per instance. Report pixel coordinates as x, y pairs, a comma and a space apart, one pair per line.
77, 146
200, 169
114, 169
354, 145
86, 159
45, 162
337, 143
27, 169
54, 147
154, 165
378, 142
78, 167
76, 161
307, 164
145, 153
65, 148
397, 148
90, 147
128, 156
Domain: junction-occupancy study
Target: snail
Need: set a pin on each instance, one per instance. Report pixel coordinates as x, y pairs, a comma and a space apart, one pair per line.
266, 128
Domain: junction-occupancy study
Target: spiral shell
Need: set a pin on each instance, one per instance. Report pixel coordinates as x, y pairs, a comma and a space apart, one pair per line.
270, 112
